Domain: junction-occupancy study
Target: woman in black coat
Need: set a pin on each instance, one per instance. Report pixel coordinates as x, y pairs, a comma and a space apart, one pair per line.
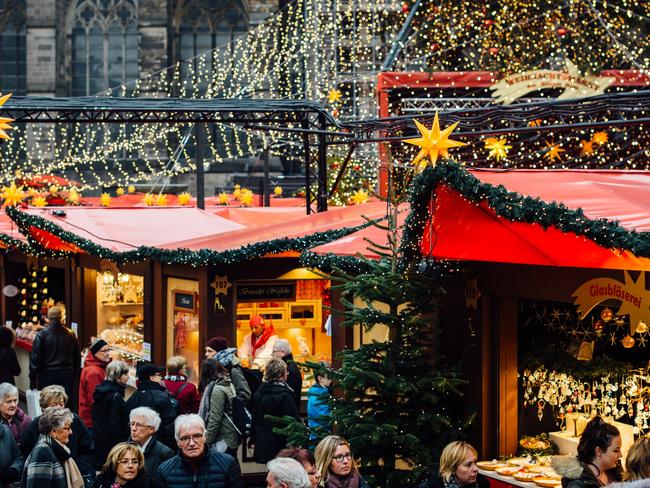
124, 468
110, 416
457, 469
273, 397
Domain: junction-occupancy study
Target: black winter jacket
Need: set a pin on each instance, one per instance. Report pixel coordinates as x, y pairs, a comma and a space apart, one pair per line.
155, 396
55, 350
9, 367
80, 444
110, 418
294, 378
275, 399
213, 470
435, 481
11, 460
155, 454
107, 480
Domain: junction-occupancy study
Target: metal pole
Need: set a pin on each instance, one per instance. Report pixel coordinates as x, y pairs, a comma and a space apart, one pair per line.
307, 150
398, 44
321, 195
200, 174
267, 185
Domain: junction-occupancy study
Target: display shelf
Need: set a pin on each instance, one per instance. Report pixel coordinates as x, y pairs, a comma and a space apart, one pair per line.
122, 304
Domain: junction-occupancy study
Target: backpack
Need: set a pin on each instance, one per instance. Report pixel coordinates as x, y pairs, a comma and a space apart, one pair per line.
241, 420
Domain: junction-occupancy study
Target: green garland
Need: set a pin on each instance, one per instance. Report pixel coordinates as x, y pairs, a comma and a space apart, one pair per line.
13, 244
514, 207
189, 257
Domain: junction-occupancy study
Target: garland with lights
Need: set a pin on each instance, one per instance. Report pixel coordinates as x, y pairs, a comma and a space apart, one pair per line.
189, 257
512, 206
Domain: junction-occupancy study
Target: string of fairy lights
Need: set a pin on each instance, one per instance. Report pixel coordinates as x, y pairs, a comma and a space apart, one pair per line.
333, 54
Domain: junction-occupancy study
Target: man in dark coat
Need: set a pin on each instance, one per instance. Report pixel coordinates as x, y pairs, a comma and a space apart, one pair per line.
144, 424
282, 350
196, 466
11, 460
56, 357
152, 393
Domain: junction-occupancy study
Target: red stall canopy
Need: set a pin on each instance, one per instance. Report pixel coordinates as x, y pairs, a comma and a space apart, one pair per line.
467, 231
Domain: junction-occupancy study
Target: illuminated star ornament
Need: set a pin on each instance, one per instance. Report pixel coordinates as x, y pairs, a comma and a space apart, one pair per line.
161, 200
554, 151
498, 148
4, 121
12, 195
149, 199
334, 96
223, 199
359, 196
433, 144
587, 148
39, 202
184, 198
105, 200
600, 138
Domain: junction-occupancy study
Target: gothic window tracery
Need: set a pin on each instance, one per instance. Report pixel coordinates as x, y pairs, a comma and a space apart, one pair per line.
13, 57
104, 45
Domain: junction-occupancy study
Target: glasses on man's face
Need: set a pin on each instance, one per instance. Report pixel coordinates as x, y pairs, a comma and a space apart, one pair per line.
137, 425
132, 462
342, 457
194, 437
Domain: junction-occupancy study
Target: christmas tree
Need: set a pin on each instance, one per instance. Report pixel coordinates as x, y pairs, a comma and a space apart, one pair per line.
393, 396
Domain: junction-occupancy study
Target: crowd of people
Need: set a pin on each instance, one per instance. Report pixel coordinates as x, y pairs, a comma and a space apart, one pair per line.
169, 433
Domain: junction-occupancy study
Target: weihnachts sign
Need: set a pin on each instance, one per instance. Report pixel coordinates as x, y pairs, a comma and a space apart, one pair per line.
574, 85
276, 290
634, 298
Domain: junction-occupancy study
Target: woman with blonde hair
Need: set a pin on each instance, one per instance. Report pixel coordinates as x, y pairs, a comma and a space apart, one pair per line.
124, 468
637, 466
335, 461
457, 468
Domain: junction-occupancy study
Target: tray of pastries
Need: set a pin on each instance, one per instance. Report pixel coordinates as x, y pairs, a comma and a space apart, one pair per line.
548, 482
507, 470
491, 465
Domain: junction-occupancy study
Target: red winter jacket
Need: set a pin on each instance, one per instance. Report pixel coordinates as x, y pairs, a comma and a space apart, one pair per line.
188, 399
93, 373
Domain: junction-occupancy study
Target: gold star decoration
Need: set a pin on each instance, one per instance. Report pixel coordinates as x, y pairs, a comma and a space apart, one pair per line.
334, 96
236, 193
277, 191
553, 152
535, 123
587, 148
246, 197
498, 148
221, 285
600, 138
4, 121
39, 202
223, 199
433, 144
73, 196
119, 192
359, 196
161, 200
131, 189
105, 200
12, 195
54, 189
148, 200
184, 198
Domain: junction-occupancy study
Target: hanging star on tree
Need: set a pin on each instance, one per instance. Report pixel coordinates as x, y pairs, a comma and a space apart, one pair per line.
12, 195
600, 138
433, 143
4, 121
497, 147
553, 152
334, 96
587, 148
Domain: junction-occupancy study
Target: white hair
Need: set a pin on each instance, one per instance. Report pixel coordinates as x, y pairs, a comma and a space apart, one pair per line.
282, 345
188, 420
7, 390
152, 419
288, 471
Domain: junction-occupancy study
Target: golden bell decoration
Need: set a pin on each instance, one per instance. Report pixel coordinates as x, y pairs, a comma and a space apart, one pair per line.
642, 327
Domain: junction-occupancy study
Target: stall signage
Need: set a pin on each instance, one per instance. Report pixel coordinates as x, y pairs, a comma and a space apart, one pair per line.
634, 298
146, 351
266, 291
184, 301
569, 80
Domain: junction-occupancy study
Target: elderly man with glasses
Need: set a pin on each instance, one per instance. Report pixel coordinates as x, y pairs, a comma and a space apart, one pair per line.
144, 423
195, 465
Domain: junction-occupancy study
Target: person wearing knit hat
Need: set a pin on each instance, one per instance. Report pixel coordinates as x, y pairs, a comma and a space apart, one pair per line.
257, 346
214, 345
92, 374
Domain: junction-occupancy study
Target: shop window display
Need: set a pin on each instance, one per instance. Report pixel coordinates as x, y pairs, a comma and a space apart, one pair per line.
120, 319
183, 323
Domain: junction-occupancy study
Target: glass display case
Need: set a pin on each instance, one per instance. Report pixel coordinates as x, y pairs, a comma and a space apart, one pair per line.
120, 318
